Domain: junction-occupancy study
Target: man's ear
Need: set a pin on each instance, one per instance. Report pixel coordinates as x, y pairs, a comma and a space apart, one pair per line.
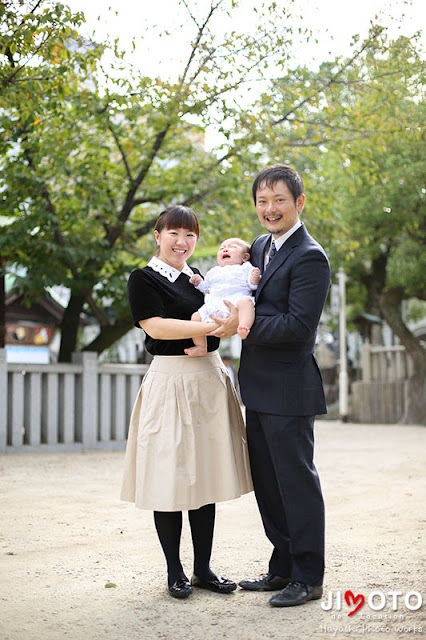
300, 203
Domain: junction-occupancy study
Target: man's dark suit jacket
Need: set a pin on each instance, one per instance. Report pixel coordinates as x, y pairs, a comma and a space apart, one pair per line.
278, 371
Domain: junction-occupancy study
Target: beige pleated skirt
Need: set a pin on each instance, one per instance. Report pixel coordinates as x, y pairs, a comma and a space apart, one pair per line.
187, 442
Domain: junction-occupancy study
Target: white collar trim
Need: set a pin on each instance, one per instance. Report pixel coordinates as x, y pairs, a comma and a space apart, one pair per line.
167, 271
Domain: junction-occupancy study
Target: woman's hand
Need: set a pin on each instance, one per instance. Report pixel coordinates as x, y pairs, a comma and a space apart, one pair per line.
228, 326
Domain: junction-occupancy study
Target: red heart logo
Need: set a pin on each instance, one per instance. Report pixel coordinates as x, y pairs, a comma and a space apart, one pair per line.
359, 598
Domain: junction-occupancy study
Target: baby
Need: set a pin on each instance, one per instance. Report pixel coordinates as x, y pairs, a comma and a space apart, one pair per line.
234, 279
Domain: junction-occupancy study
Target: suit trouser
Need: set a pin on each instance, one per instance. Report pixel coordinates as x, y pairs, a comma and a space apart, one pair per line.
288, 493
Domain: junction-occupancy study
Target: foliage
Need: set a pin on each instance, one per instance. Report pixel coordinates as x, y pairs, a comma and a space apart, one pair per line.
90, 154
90, 158
366, 175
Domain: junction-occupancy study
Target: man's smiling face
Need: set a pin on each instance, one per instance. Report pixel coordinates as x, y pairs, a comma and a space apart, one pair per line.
276, 208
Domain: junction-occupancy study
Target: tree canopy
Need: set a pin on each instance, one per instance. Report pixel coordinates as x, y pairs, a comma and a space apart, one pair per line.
90, 154
366, 180
89, 158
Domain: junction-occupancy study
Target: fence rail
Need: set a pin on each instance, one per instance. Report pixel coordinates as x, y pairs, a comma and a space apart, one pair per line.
385, 364
86, 405
380, 396
79, 406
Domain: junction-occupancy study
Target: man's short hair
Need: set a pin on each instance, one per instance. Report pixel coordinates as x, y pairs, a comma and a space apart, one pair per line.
273, 174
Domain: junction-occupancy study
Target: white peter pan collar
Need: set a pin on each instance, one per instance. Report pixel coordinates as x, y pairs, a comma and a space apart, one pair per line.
167, 271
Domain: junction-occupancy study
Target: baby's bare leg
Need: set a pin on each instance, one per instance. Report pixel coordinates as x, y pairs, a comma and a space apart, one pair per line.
246, 317
200, 342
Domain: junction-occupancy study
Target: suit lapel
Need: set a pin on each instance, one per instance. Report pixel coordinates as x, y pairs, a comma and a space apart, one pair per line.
258, 251
281, 256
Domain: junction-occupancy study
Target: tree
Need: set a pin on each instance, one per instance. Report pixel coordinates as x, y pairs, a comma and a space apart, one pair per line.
37, 44
88, 166
386, 213
90, 158
370, 177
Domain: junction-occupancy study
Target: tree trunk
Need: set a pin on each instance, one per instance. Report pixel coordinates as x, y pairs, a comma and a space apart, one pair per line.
69, 327
2, 310
375, 281
109, 334
415, 392
415, 403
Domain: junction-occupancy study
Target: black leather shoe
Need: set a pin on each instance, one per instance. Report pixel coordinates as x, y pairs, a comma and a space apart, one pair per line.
267, 582
296, 593
219, 584
180, 589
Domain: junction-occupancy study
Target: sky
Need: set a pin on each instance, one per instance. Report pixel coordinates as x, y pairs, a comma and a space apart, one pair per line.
333, 23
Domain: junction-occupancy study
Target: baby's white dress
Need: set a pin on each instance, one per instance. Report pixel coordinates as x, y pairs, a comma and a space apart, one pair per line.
231, 282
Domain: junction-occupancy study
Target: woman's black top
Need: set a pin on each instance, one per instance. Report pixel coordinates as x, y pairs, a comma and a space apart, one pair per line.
152, 295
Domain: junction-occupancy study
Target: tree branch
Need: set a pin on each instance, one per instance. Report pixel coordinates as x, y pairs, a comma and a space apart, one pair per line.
9, 80
49, 204
121, 150
31, 12
197, 40
317, 123
128, 204
138, 201
97, 311
331, 80
145, 228
109, 334
44, 191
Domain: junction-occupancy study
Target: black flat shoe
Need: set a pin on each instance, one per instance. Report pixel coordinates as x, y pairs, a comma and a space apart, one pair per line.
296, 593
180, 589
218, 585
266, 582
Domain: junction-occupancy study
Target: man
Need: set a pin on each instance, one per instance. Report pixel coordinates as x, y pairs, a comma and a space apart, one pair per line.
282, 390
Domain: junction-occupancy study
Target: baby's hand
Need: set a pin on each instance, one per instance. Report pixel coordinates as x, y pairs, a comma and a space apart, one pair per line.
255, 276
195, 279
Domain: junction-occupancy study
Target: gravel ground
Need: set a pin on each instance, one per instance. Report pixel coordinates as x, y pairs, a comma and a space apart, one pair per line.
65, 536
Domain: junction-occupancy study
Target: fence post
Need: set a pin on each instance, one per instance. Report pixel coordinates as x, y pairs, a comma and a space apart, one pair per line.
87, 410
3, 401
366, 363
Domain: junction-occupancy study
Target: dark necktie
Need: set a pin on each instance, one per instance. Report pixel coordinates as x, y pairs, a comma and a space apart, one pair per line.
272, 251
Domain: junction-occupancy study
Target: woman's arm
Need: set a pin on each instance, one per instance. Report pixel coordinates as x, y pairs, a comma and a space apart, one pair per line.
172, 329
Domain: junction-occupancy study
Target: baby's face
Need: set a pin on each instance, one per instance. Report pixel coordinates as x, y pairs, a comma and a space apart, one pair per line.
231, 252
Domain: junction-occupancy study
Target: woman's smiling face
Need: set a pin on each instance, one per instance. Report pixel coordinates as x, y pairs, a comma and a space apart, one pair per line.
175, 246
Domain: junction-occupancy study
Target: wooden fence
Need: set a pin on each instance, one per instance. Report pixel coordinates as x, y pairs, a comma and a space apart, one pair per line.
380, 396
79, 406
385, 363
86, 405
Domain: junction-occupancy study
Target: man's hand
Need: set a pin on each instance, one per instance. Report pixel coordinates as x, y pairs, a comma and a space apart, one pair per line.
228, 326
195, 279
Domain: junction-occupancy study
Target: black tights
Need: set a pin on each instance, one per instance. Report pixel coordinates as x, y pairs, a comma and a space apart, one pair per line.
169, 528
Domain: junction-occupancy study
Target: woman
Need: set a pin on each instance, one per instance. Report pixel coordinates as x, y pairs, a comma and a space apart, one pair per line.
186, 448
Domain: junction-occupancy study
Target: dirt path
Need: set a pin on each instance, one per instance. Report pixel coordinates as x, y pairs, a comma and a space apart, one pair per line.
64, 535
